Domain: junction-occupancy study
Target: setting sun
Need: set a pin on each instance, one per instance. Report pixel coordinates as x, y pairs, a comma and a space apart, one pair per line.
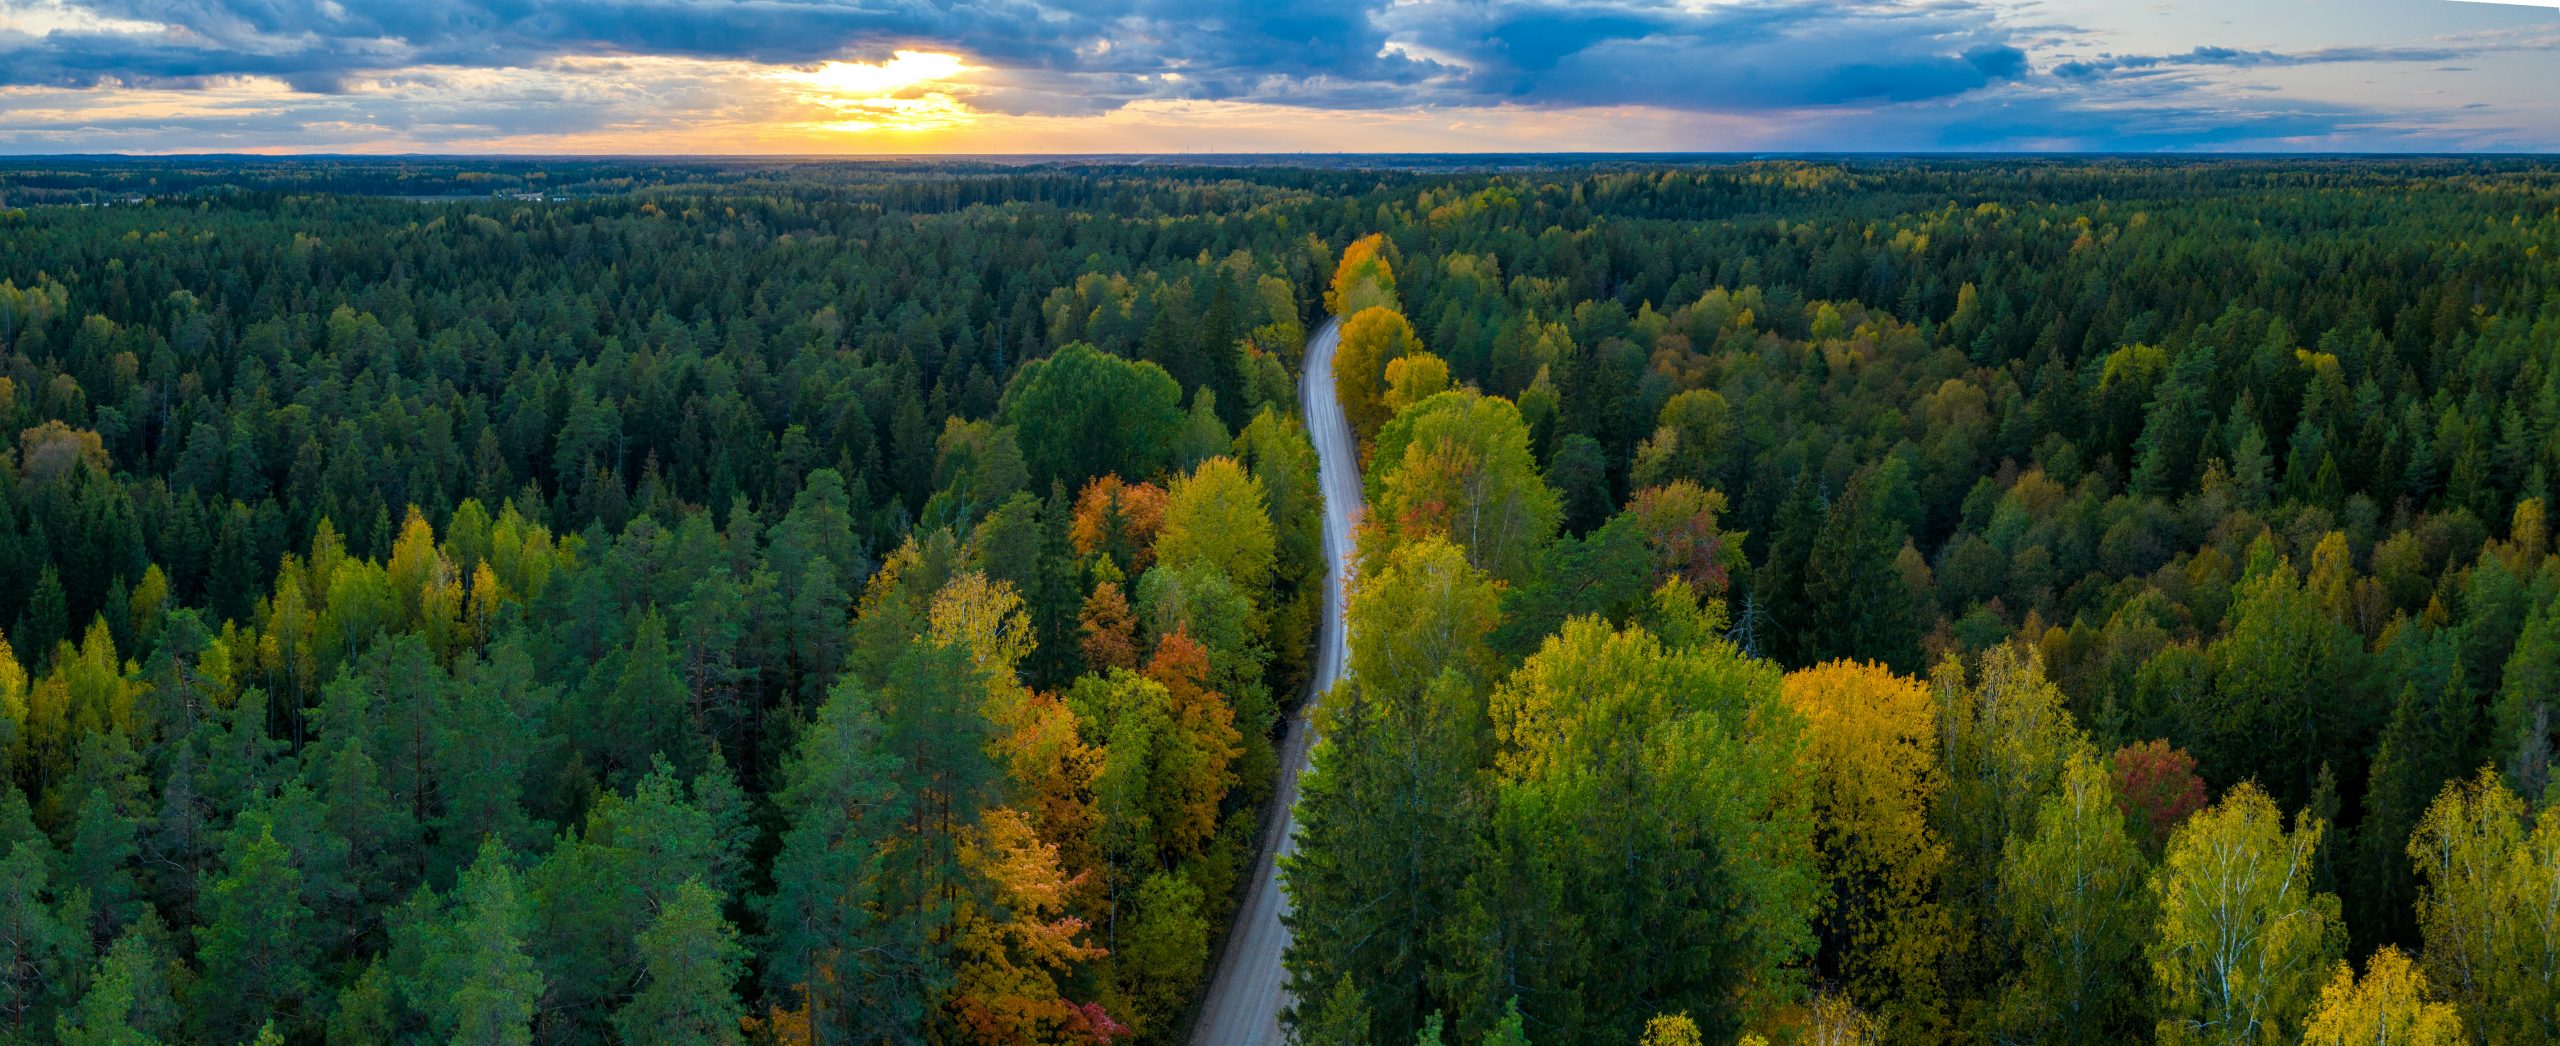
909, 92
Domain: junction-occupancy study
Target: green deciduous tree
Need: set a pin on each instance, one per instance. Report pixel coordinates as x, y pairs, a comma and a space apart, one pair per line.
1458, 466
2003, 741
1648, 846
1083, 413
2074, 895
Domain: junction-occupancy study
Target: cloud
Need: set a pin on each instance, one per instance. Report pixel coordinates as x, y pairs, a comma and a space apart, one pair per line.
1082, 55
1728, 56
2234, 58
1222, 49
1750, 74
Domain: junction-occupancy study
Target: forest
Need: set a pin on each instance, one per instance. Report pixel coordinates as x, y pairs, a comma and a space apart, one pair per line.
1894, 601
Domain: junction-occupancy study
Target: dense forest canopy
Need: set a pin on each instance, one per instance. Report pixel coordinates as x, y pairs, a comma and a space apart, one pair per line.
860, 602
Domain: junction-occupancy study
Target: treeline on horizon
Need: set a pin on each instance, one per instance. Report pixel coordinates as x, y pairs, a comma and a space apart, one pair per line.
827, 604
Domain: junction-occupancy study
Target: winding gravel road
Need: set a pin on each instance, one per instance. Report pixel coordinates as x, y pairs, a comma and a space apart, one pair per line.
1247, 994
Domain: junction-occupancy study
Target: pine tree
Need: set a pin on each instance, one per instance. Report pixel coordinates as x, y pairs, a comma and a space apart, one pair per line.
1339, 1019
1383, 810
692, 959
35, 945
843, 800
1509, 1031
882, 789
1858, 604
255, 944
1779, 585
641, 710
478, 985
1055, 595
104, 847
1387, 798
128, 1001
2424, 746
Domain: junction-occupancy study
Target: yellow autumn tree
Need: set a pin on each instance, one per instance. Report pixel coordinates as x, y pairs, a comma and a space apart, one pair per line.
1672, 1029
2489, 906
2389, 1007
1216, 516
442, 610
13, 704
1372, 339
1363, 278
2244, 939
1417, 611
986, 618
1049, 765
487, 595
100, 690
1832, 1020
414, 566
1871, 741
52, 449
1415, 378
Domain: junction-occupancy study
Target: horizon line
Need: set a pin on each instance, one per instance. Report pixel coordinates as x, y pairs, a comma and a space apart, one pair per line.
2187, 154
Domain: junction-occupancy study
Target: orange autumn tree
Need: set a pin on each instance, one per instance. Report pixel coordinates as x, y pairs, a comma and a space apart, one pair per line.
1678, 523
1117, 518
1048, 766
1871, 762
1011, 953
1109, 629
1195, 771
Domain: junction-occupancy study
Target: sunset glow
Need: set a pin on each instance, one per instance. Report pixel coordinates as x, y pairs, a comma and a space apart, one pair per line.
910, 92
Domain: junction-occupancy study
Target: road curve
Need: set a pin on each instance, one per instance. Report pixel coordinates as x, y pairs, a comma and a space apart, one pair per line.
1249, 989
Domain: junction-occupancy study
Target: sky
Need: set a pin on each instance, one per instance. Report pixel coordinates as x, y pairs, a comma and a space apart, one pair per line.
865, 77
